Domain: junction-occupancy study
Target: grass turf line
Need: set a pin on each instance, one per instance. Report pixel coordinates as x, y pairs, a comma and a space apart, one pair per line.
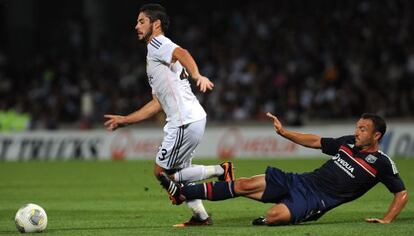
120, 198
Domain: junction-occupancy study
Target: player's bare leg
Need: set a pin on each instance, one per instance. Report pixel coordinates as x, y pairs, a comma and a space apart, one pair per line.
279, 214
252, 187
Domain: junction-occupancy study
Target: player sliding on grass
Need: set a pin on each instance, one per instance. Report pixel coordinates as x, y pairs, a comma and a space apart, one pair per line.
167, 67
355, 167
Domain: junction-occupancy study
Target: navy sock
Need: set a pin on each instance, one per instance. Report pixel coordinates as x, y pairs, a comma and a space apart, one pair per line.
194, 191
221, 191
213, 191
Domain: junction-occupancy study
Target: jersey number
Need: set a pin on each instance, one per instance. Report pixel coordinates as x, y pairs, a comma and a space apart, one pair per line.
163, 153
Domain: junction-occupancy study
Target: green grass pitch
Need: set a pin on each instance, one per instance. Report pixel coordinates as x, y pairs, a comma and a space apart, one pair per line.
123, 198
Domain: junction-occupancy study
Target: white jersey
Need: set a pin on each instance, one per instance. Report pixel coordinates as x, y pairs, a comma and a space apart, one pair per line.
170, 84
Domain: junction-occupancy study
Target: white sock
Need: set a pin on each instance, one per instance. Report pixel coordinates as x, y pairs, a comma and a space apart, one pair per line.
198, 209
198, 172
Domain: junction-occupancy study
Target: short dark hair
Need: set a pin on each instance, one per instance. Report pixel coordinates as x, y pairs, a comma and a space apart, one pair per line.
379, 122
155, 12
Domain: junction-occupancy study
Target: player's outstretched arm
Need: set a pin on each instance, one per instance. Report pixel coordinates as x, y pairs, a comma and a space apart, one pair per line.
147, 111
307, 140
185, 58
400, 199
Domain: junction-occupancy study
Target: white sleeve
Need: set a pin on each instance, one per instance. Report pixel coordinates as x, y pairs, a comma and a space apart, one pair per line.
164, 53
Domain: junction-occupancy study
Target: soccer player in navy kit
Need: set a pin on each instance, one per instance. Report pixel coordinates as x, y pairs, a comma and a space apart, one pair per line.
356, 166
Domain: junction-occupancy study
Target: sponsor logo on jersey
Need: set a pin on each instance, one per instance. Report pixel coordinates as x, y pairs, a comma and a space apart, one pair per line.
344, 165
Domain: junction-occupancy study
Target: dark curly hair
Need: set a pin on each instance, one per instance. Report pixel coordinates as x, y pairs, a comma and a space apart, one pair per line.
155, 12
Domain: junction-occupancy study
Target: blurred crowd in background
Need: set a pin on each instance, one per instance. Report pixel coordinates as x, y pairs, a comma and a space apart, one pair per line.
302, 60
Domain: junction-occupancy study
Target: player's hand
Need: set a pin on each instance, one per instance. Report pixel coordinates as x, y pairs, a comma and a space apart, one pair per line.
114, 122
276, 123
204, 83
376, 220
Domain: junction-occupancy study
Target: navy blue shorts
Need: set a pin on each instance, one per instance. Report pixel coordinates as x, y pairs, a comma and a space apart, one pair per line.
304, 202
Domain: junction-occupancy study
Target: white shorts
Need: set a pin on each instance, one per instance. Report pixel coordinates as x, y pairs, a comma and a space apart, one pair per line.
177, 147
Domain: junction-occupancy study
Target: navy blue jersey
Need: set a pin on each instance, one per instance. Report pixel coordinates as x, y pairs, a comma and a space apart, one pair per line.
351, 172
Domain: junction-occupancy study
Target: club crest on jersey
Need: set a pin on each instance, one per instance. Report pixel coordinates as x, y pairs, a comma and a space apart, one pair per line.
370, 158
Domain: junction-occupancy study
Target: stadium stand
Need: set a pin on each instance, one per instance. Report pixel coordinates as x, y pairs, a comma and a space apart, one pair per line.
302, 60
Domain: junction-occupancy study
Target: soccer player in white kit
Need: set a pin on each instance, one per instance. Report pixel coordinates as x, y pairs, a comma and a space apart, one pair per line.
167, 67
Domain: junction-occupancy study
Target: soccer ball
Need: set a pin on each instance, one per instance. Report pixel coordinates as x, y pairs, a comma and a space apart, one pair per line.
31, 218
